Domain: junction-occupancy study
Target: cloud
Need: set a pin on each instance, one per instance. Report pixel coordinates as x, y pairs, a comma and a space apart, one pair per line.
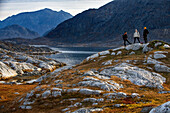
13, 1
13, 7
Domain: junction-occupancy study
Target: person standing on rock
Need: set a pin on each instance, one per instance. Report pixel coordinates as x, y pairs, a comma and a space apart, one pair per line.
145, 34
125, 38
136, 36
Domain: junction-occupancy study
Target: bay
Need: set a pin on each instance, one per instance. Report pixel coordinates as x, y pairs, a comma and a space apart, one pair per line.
74, 55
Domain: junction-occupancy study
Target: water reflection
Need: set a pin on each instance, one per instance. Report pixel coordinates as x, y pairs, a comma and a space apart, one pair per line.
74, 55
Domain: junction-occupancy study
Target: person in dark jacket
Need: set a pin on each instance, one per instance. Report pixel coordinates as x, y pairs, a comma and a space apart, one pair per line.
125, 38
145, 34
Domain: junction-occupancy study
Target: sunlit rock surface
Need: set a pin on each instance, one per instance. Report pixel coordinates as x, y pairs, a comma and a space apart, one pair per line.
164, 108
135, 47
17, 63
5, 71
136, 75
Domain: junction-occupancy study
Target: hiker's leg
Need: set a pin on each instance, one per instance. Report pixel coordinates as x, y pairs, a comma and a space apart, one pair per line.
128, 41
144, 37
134, 39
125, 43
138, 39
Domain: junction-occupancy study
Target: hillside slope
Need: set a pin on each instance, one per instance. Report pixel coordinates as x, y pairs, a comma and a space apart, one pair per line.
16, 31
107, 24
40, 21
126, 79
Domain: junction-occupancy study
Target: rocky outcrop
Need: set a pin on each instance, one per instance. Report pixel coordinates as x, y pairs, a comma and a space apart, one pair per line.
136, 75
16, 63
85, 110
162, 68
100, 84
6, 72
130, 72
90, 92
133, 47
158, 56
164, 108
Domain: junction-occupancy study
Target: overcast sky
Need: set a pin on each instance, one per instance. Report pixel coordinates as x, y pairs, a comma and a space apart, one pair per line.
12, 7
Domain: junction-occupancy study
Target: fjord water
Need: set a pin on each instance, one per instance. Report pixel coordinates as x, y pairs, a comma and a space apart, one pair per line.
74, 55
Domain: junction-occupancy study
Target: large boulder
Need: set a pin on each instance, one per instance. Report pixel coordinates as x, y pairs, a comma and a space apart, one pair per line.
135, 47
92, 57
161, 68
20, 68
136, 75
90, 92
115, 95
6, 72
159, 56
166, 46
100, 84
146, 48
146, 109
104, 53
82, 110
46, 66
164, 108
153, 61
46, 94
88, 110
74, 90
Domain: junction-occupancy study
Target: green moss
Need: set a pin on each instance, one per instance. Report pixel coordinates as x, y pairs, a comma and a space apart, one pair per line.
159, 47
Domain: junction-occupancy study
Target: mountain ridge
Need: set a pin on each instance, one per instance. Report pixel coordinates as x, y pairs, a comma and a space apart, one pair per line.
39, 21
17, 31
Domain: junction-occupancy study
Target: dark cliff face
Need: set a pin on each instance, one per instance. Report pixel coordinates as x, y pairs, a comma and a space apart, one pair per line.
113, 19
40, 21
16, 31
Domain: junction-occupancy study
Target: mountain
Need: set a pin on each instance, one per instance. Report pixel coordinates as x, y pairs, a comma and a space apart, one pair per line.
47, 32
16, 31
39, 21
109, 22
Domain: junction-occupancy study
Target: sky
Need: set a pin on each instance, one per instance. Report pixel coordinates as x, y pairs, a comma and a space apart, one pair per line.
13, 7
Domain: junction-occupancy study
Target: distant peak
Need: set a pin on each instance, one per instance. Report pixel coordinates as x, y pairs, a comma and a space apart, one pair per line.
47, 9
61, 11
